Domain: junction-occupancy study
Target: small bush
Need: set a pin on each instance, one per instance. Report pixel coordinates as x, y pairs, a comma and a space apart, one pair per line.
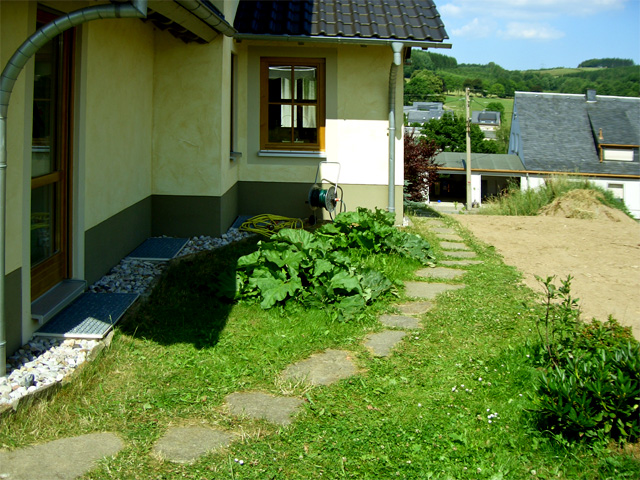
590, 385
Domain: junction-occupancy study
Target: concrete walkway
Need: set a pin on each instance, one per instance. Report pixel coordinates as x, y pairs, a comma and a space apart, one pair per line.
70, 458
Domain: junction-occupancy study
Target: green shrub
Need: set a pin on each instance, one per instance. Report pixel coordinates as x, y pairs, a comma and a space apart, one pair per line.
325, 268
593, 395
590, 385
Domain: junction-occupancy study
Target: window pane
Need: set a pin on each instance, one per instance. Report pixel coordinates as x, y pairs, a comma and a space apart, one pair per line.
42, 161
42, 223
306, 79
280, 123
279, 83
305, 130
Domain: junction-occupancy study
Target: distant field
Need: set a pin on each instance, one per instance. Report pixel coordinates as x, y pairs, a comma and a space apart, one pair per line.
559, 72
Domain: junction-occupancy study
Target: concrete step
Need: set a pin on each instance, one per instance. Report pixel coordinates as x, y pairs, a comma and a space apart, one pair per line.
55, 300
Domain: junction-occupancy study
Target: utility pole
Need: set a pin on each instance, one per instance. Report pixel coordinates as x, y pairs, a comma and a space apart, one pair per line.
468, 165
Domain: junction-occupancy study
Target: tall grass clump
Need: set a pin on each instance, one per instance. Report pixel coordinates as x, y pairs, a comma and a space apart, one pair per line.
529, 202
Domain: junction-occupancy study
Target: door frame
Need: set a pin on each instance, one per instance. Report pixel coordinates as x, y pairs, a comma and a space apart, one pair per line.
49, 272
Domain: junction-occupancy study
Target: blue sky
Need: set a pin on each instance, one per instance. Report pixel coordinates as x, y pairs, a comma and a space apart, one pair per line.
533, 34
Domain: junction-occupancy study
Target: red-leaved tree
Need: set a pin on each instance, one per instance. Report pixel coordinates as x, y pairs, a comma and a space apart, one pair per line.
420, 166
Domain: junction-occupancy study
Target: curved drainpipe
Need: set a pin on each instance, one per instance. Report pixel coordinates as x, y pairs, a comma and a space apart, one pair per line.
136, 9
393, 73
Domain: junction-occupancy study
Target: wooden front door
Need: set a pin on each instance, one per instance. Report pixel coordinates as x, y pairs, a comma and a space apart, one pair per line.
50, 161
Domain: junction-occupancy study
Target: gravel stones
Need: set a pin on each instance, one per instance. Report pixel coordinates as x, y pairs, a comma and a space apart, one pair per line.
43, 362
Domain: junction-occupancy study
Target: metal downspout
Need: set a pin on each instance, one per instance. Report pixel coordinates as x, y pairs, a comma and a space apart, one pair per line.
393, 73
136, 9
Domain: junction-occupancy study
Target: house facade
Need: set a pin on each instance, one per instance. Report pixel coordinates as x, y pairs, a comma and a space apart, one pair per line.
588, 136
177, 122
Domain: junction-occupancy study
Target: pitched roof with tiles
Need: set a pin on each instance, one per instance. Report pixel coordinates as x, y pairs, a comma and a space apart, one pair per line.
401, 20
559, 132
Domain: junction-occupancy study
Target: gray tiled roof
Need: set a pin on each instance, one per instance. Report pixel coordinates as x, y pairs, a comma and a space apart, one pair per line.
557, 134
404, 20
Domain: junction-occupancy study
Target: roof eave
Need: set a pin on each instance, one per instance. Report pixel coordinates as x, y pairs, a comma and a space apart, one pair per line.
340, 40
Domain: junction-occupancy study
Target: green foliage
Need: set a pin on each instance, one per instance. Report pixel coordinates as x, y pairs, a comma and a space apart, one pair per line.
607, 63
621, 78
449, 134
325, 268
590, 387
424, 86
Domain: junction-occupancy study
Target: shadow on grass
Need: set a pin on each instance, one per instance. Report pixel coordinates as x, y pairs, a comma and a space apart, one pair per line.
192, 301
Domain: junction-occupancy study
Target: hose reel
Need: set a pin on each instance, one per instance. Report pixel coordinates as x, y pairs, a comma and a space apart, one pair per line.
323, 198
326, 198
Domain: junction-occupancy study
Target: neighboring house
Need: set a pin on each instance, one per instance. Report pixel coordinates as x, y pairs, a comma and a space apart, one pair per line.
592, 136
175, 124
422, 112
489, 122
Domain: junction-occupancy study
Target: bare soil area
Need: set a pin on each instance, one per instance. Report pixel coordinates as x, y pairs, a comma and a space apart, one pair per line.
602, 254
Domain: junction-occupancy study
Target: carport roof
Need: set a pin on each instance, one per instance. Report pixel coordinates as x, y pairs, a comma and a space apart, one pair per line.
481, 161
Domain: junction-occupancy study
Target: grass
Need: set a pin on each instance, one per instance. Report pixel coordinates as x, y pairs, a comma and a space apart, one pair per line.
529, 202
450, 403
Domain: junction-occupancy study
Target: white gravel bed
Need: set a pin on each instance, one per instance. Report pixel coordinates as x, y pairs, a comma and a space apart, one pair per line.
44, 361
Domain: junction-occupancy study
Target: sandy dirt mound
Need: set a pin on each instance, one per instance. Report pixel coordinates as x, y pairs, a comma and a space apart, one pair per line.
585, 204
602, 255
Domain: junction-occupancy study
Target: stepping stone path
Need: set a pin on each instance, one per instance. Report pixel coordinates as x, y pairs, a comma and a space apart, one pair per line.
382, 343
461, 263
72, 457
63, 459
454, 246
400, 321
187, 444
440, 272
260, 406
428, 291
323, 368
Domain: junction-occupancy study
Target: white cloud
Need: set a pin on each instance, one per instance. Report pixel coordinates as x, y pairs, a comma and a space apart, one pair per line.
476, 28
531, 31
450, 10
533, 10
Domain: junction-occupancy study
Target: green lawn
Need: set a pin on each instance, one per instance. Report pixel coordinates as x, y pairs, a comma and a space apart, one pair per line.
450, 403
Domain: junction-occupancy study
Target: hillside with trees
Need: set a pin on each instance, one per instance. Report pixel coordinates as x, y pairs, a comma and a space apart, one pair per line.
431, 75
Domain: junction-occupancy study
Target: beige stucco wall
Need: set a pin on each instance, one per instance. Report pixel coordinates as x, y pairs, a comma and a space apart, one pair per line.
116, 117
356, 136
191, 118
16, 24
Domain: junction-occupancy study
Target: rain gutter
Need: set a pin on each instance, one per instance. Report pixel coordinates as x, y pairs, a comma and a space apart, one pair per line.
208, 15
340, 40
135, 9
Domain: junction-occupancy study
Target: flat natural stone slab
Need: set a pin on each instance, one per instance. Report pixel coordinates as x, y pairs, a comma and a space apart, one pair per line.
187, 444
460, 262
451, 237
415, 308
440, 272
323, 368
454, 246
443, 230
261, 406
428, 291
400, 321
459, 254
63, 459
381, 344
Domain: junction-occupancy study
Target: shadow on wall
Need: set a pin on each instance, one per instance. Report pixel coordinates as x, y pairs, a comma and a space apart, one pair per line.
193, 300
